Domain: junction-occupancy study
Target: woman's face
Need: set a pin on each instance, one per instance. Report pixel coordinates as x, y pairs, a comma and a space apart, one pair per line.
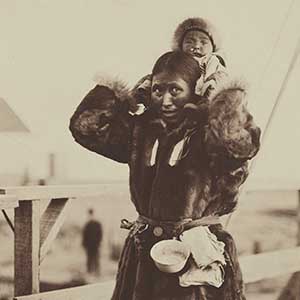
169, 94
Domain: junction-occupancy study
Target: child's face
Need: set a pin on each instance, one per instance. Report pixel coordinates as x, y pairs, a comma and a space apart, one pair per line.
197, 43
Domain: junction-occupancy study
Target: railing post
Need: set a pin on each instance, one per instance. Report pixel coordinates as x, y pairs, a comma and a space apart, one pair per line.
298, 219
27, 247
292, 290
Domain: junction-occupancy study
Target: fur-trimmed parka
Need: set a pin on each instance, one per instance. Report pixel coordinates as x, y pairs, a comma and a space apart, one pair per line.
202, 181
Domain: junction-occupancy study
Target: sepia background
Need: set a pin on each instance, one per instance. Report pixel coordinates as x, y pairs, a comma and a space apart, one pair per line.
52, 52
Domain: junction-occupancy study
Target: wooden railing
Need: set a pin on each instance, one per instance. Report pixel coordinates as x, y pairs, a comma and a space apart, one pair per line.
254, 268
34, 235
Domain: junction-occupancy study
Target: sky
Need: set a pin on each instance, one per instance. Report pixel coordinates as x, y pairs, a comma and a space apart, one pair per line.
51, 52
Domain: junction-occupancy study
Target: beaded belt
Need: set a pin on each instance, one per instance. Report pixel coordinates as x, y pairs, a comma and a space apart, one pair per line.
159, 227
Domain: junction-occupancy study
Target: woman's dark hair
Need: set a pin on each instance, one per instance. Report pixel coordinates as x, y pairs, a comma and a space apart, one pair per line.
179, 63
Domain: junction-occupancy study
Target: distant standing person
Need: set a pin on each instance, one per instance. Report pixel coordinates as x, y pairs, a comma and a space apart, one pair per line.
92, 237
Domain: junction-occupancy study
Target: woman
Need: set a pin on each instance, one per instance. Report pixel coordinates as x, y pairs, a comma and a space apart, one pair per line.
186, 161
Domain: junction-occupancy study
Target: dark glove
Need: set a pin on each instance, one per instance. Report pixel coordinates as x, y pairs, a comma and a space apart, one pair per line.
196, 114
142, 90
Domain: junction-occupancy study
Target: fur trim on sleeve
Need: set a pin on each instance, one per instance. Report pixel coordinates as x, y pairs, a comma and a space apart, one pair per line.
229, 85
117, 85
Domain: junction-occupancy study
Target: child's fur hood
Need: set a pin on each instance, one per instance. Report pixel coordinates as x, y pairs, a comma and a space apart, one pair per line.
196, 24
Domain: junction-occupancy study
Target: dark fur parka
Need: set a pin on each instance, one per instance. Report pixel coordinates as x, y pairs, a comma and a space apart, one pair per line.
203, 181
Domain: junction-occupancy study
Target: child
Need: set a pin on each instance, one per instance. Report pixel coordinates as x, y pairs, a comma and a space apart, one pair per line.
198, 37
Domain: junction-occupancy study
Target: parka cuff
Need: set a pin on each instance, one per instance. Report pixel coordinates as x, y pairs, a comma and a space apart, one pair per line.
231, 132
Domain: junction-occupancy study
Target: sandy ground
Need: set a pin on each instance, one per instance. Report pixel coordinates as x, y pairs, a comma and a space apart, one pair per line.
264, 218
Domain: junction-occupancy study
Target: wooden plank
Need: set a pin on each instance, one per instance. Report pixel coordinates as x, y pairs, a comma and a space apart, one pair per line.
99, 291
270, 264
95, 190
53, 191
27, 241
270, 186
8, 201
51, 221
254, 268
